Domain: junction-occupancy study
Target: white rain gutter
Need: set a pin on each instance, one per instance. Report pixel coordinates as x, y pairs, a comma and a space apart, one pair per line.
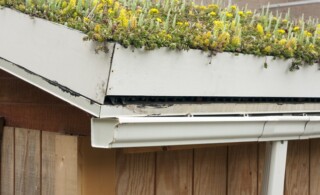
291, 4
163, 131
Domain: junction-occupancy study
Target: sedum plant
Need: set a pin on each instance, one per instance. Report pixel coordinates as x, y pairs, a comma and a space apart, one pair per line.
181, 24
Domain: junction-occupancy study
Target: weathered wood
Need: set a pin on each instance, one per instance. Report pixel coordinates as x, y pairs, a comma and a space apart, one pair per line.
314, 167
135, 174
97, 166
242, 170
174, 172
210, 171
18, 91
297, 168
4, 74
48, 160
26, 106
7, 162
173, 148
67, 177
261, 161
27, 162
1, 139
46, 117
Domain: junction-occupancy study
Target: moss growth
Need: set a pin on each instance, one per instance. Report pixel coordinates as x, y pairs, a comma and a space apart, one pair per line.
178, 24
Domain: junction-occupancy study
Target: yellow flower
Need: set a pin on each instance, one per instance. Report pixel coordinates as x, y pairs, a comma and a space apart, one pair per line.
202, 7
109, 2
281, 31
218, 25
207, 35
213, 6
249, 13
259, 29
268, 49
153, 11
206, 42
72, 3
241, 13
268, 35
116, 6
292, 43
86, 20
99, 8
186, 23
282, 41
197, 38
110, 11
285, 21
307, 33
94, 3
224, 38
212, 14
236, 41
159, 20
179, 23
229, 15
296, 28
123, 18
97, 28
233, 7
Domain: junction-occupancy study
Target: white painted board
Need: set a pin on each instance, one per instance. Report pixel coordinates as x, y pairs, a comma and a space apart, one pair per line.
55, 52
163, 72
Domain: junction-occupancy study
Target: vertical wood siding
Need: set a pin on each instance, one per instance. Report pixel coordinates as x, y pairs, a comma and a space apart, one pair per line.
47, 163
223, 170
24, 105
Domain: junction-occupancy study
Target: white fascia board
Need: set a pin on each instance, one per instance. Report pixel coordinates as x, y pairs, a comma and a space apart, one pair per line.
162, 131
136, 72
68, 96
56, 53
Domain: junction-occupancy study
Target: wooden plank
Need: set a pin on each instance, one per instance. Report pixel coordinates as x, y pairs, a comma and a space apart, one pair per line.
18, 91
174, 172
173, 148
66, 166
135, 174
210, 171
98, 174
4, 74
242, 169
7, 162
297, 168
261, 161
27, 162
48, 160
47, 117
315, 167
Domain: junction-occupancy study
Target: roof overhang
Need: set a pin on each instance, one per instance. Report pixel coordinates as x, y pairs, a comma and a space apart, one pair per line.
165, 131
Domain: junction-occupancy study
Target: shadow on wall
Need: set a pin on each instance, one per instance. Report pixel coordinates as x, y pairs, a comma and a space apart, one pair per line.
296, 11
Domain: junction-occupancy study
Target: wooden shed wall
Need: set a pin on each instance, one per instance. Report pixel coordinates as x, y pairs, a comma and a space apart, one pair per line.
24, 105
38, 162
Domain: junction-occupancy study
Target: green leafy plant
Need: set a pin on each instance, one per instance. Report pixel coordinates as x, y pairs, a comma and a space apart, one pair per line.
181, 24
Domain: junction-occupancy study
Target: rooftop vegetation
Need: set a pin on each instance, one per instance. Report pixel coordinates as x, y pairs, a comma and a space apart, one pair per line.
180, 24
